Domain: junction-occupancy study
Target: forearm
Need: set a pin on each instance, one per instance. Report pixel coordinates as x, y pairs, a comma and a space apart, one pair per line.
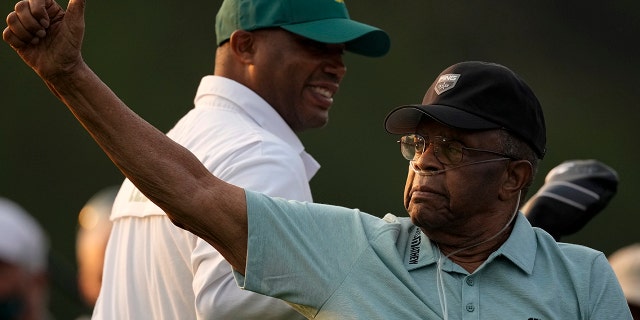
167, 173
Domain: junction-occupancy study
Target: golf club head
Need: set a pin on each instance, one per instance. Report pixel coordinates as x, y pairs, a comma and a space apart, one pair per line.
573, 193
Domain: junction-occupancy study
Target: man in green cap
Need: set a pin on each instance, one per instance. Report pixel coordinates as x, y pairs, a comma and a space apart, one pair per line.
278, 66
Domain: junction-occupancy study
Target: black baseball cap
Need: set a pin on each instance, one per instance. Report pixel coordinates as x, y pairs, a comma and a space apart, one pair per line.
477, 95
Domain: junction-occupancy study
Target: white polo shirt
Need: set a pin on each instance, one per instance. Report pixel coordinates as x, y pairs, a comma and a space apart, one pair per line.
154, 270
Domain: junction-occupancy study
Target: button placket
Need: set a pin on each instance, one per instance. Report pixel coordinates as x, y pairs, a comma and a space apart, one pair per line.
470, 307
469, 281
470, 298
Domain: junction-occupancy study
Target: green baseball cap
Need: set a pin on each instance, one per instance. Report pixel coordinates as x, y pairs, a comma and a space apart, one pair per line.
325, 21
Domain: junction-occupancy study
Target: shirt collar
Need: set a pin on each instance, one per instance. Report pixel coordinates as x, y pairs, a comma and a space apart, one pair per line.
215, 87
520, 248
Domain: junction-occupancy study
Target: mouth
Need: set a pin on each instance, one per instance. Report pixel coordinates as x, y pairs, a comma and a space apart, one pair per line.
323, 94
424, 194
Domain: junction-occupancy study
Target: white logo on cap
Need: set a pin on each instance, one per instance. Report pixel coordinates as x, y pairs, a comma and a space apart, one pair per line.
446, 82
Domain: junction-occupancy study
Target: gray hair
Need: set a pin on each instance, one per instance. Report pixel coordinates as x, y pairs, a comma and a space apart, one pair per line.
517, 148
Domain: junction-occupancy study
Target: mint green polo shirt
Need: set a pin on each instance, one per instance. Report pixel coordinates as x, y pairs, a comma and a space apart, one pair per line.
331, 262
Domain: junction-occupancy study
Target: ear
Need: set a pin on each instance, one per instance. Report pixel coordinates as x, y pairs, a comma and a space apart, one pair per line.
518, 176
243, 43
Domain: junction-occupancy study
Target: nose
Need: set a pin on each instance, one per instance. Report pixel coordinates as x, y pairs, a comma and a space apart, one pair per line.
336, 68
428, 159
335, 63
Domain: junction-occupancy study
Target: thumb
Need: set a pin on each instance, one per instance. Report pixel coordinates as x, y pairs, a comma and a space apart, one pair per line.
74, 17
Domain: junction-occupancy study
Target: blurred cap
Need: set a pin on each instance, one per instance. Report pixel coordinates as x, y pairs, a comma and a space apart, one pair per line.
477, 95
573, 193
22, 240
626, 264
325, 21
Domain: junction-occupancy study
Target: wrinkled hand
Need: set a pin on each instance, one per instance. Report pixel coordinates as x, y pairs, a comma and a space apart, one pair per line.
46, 37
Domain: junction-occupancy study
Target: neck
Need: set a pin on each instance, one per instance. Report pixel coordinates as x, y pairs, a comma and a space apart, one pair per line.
470, 255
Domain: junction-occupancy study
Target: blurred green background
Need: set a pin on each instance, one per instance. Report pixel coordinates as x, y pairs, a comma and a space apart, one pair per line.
580, 57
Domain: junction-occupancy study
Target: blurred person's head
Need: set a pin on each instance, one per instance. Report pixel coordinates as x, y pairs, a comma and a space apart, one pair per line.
626, 264
24, 248
94, 228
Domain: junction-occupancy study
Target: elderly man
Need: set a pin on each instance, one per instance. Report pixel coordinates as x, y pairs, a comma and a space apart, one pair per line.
465, 251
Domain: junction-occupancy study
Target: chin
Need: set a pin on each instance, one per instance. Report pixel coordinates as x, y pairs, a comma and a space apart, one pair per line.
415, 220
317, 121
427, 221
